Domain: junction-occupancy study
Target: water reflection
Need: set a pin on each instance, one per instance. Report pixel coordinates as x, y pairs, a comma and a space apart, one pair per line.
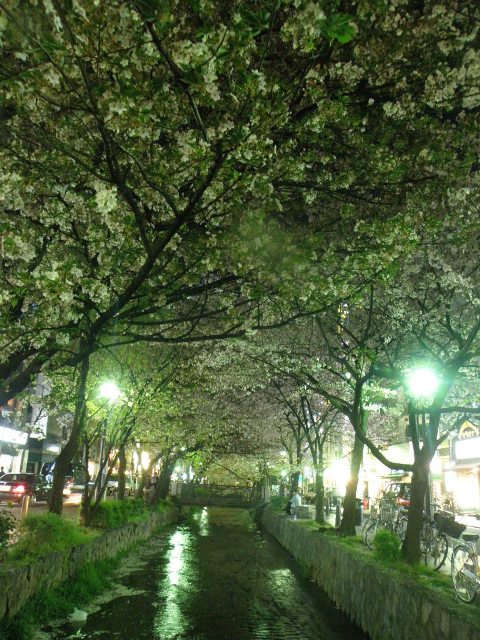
176, 585
200, 518
214, 577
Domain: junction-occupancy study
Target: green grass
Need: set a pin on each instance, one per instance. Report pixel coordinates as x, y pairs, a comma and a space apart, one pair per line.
421, 578
163, 505
387, 547
91, 580
49, 532
278, 503
42, 534
352, 542
114, 513
315, 526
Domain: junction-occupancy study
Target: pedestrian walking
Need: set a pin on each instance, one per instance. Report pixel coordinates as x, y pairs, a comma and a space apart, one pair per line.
295, 503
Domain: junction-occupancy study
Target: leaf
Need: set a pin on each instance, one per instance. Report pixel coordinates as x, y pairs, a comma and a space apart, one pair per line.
339, 27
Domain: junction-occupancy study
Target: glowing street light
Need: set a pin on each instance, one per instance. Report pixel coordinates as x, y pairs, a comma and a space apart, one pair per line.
110, 391
422, 382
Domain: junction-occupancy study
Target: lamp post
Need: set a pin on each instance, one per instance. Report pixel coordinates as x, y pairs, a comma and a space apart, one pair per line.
422, 384
111, 393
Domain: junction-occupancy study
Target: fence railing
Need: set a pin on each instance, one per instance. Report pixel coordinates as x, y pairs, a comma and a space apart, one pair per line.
198, 492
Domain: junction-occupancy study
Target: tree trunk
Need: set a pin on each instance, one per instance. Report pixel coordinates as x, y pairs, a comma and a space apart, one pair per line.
319, 497
347, 525
122, 467
163, 482
411, 543
68, 452
142, 484
295, 480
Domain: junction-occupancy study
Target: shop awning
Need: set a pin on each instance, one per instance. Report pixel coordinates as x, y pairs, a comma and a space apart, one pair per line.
466, 465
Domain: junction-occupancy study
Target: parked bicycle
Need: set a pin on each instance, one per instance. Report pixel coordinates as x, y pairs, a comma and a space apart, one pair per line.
465, 570
369, 521
386, 515
433, 537
433, 543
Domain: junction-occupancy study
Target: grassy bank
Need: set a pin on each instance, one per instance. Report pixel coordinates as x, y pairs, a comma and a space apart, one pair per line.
387, 557
47, 533
59, 602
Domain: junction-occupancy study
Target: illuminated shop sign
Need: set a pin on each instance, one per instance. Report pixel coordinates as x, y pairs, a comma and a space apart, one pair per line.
13, 436
468, 449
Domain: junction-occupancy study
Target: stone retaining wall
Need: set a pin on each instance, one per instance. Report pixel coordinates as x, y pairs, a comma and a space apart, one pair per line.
385, 604
18, 584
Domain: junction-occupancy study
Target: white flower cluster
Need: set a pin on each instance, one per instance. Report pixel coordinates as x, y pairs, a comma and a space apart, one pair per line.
105, 196
304, 29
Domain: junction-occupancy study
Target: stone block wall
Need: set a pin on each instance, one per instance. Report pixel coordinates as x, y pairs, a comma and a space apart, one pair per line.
385, 604
18, 584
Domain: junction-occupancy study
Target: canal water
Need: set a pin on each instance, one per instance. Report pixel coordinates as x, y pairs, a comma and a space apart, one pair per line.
212, 576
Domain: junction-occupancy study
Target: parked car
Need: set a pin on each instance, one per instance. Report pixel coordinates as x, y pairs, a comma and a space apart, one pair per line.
14, 486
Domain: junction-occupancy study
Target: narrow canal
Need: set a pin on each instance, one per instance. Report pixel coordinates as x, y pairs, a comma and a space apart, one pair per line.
212, 576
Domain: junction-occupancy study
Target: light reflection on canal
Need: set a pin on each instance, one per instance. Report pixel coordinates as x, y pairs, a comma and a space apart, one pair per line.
214, 576
170, 621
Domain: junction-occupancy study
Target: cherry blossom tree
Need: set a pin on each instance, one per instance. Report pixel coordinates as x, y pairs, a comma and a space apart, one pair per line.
179, 172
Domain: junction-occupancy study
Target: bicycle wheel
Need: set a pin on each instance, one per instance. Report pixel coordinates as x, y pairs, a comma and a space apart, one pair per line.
370, 532
436, 551
464, 572
400, 528
365, 526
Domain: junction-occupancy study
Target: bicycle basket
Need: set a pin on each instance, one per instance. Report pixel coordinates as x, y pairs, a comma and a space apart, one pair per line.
387, 513
449, 526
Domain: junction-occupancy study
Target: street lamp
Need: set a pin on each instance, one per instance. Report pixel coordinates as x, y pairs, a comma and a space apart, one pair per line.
110, 391
422, 384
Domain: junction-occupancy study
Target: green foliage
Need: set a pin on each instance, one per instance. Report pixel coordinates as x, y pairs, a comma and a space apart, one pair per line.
7, 525
163, 505
339, 27
114, 513
45, 533
315, 526
19, 628
278, 503
387, 546
49, 532
89, 581
351, 541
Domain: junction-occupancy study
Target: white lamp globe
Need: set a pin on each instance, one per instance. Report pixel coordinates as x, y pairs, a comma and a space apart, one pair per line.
422, 382
110, 391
